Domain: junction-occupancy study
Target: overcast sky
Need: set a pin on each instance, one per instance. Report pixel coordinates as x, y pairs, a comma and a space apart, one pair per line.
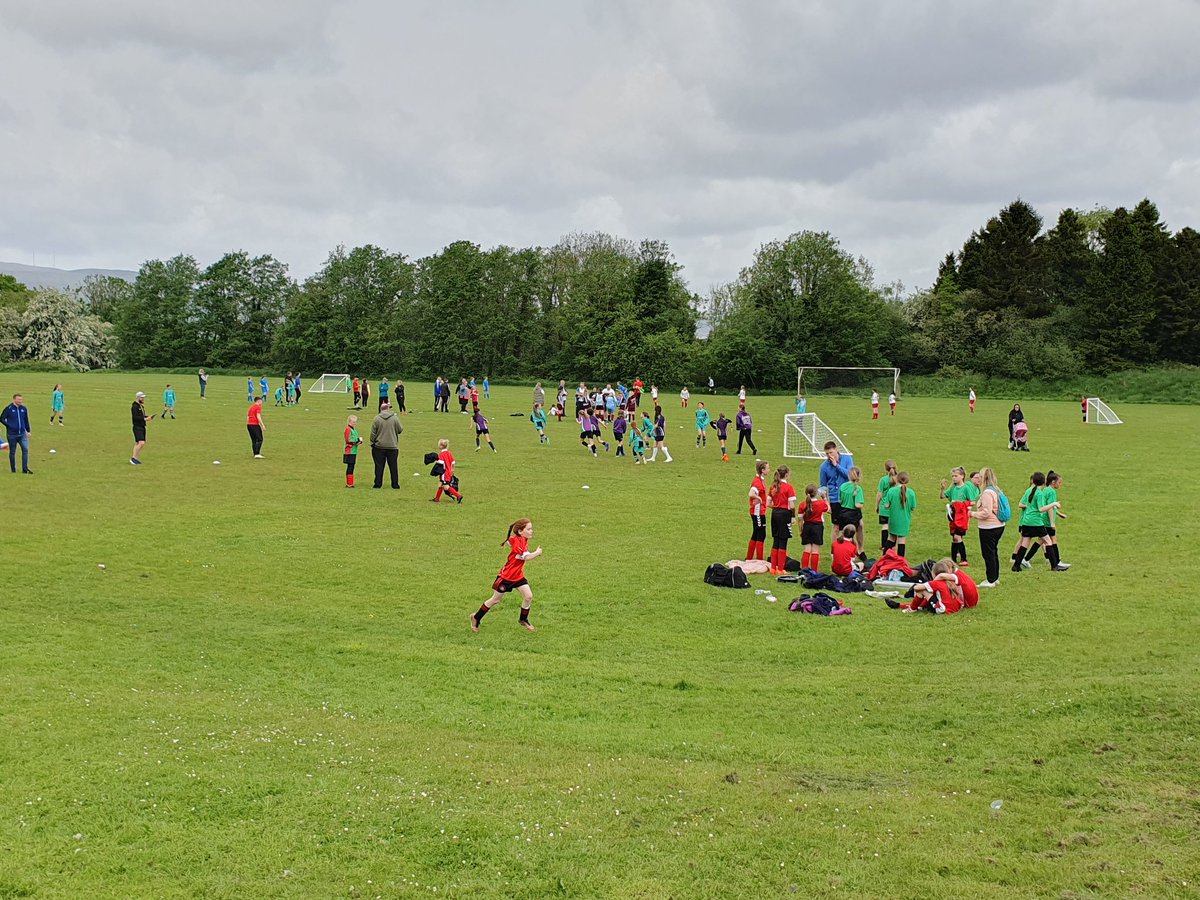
140, 129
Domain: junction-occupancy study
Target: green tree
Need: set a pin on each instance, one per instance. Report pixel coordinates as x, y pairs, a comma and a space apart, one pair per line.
809, 303
14, 294
240, 302
158, 326
1001, 263
105, 296
1177, 326
1125, 290
347, 317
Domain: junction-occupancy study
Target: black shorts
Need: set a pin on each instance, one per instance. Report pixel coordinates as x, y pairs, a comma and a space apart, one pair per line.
479, 433
659, 434
884, 520
139, 434
584, 435
812, 533
500, 586
1052, 532
852, 516
1034, 531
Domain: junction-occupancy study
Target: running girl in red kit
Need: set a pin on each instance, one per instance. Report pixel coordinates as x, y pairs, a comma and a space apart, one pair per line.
446, 482
512, 575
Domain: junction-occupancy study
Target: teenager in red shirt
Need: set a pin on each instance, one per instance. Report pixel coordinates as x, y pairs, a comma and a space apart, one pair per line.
446, 458
758, 512
812, 531
783, 510
512, 574
254, 425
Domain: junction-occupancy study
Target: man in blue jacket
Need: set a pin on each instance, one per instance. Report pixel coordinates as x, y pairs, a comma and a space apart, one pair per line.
835, 472
16, 422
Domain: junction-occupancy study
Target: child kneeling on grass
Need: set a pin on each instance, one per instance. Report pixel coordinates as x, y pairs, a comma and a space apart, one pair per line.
512, 575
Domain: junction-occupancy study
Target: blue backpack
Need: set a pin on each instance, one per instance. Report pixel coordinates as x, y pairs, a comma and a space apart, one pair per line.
1003, 509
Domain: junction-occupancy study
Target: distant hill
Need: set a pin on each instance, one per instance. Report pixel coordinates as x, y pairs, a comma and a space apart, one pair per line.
63, 279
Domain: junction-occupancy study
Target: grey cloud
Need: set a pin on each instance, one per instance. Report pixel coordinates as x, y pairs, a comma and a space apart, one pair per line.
153, 129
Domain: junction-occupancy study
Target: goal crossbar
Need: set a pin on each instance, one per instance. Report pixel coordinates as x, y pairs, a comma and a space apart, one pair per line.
1100, 413
805, 436
895, 371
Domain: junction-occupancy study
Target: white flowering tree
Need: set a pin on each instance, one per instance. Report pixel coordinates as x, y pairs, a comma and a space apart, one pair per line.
56, 328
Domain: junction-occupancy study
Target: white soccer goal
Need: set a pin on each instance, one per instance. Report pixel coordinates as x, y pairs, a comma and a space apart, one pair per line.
330, 384
892, 371
805, 436
1099, 413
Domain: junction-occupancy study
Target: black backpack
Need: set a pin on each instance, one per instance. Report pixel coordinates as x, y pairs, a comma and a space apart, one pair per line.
721, 575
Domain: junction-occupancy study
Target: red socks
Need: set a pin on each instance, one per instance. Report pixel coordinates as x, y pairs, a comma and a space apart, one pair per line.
750, 548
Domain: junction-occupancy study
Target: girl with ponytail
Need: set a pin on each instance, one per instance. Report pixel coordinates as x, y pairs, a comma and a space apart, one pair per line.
512, 574
885, 484
783, 511
899, 503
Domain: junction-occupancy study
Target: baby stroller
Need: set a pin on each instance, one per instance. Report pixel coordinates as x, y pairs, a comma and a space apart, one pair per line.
1020, 438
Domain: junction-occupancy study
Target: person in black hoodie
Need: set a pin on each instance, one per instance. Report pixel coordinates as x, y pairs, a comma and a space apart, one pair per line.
139, 427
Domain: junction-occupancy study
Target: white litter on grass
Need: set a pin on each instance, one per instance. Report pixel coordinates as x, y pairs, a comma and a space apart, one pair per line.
101, 566
996, 804
872, 443
53, 451
771, 598
587, 487
760, 591
216, 462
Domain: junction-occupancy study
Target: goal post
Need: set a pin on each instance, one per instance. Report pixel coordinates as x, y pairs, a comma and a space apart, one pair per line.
330, 384
1099, 413
805, 436
892, 371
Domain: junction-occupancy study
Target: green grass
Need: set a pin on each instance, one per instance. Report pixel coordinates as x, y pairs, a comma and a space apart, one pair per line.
270, 690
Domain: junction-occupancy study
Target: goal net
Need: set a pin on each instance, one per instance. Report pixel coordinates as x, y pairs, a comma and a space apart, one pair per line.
330, 384
847, 379
805, 436
1099, 413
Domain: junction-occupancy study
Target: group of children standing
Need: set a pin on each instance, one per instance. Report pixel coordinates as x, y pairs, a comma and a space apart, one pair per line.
975, 497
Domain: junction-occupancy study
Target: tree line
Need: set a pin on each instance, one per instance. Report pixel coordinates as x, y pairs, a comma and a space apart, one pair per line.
1101, 290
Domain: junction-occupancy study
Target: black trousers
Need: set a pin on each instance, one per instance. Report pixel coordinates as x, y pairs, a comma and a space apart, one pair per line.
389, 457
744, 435
256, 438
989, 549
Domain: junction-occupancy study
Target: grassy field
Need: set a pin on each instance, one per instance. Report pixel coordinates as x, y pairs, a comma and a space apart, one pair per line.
269, 688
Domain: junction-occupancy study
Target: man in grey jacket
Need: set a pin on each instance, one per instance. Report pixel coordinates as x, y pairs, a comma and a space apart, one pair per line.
385, 445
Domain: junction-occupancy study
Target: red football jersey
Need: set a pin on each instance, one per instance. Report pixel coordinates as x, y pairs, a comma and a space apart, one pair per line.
757, 506
843, 556
514, 567
816, 510
970, 590
447, 459
779, 499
